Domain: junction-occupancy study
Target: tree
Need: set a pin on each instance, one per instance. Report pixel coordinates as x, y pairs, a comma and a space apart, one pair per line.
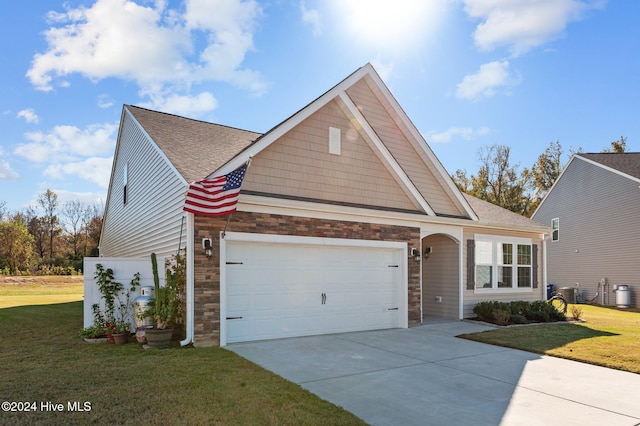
16, 246
92, 224
48, 200
618, 146
497, 181
3, 210
543, 174
74, 212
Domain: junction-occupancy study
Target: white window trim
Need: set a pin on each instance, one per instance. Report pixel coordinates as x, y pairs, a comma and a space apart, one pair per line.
495, 240
557, 228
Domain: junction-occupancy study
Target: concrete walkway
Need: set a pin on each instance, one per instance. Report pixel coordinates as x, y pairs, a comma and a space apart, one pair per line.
426, 376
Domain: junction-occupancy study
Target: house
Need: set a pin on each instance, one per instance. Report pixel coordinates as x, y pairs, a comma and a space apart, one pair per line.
593, 211
346, 221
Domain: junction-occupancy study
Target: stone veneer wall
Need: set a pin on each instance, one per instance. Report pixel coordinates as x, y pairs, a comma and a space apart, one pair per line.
207, 272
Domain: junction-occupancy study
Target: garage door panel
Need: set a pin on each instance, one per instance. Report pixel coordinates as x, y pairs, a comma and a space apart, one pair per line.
286, 290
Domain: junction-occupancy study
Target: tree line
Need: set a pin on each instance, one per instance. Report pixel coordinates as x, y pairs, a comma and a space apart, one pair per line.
49, 238
521, 191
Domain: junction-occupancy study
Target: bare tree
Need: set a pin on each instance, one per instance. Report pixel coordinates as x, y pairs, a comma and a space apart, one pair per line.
48, 200
74, 212
619, 146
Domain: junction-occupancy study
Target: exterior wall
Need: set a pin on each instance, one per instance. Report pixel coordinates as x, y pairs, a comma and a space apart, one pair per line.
471, 298
207, 271
440, 277
599, 231
299, 164
151, 219
402, 149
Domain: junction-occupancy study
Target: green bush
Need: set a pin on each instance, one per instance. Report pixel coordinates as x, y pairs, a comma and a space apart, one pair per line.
517, 312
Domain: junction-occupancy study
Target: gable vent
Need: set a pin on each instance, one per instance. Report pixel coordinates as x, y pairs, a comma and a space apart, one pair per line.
334, 141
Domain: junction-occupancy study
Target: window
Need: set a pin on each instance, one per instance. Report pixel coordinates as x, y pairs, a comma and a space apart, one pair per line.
555, 227
510, 258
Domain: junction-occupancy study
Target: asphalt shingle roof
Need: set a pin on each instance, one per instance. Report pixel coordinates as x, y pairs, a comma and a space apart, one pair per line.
493, 215
196, 148
625, 162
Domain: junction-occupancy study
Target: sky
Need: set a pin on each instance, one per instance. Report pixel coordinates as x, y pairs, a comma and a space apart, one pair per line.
468, 73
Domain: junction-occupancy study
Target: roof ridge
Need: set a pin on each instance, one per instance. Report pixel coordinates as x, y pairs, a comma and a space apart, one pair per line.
191, 119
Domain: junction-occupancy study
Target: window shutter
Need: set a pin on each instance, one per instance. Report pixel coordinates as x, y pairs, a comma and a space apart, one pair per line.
471, 266
534, 266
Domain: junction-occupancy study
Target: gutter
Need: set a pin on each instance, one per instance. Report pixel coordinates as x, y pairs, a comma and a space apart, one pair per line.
189, 284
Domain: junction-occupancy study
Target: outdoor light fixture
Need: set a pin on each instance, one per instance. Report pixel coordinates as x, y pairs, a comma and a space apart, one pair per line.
206, 246
415, 253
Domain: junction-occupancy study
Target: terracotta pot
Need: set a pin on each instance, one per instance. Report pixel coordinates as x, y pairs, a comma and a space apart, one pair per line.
159, 339
121, 338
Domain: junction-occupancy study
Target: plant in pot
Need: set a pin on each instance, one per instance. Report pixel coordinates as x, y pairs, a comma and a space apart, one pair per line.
96, 332
109, 290
164, 307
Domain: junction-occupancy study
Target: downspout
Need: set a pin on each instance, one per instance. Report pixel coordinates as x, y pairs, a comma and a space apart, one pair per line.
190, 280
545, 237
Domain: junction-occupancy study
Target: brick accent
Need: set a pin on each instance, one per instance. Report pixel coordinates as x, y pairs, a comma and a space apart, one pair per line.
207, 272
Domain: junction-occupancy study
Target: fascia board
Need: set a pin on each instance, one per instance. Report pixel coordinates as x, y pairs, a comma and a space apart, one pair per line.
401, 115
391, 164
293, 121
611, 169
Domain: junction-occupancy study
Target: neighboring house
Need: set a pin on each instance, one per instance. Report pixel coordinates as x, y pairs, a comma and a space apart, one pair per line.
593, 210
346, 221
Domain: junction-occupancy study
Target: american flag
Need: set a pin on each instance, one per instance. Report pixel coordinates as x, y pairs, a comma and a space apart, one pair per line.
216, 196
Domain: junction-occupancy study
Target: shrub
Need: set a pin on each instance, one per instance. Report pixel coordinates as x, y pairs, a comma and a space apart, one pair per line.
501, 316
485, 310
517, 319
576, 312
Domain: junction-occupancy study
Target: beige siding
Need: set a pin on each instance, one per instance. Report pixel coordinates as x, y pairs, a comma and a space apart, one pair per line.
599, 231
440, 277
471, 298
299, 165
151, 219
403, 149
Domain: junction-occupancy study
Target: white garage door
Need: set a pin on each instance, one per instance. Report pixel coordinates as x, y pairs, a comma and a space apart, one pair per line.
275, 290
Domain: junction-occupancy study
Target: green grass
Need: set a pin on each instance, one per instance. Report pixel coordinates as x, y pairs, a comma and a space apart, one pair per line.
43, 360
609, 337
24, 291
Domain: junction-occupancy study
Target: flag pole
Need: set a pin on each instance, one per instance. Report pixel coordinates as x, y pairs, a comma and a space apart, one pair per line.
224, 231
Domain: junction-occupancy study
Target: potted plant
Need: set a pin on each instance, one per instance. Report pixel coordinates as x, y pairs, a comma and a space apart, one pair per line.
164, 307
120, 332
94, 334
116, 317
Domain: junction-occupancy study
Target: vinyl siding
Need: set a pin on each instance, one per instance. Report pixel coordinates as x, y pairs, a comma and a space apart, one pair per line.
599, 230
471, 298
299, 165
440, 277
151, 219
411, 159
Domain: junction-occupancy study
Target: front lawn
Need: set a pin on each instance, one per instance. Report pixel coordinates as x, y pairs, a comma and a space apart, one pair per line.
45, 363
609, 337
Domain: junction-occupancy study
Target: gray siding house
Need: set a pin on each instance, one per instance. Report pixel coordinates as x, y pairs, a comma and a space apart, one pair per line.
593, 211
346, 221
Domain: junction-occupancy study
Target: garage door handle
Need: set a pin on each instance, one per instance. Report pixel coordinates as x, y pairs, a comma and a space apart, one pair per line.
392, 309
231, 318
324, 298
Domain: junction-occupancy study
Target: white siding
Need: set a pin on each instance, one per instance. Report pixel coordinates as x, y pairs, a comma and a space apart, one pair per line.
151, 219
599, 230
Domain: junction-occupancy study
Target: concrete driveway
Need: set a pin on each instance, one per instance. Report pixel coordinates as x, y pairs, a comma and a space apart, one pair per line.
426, 376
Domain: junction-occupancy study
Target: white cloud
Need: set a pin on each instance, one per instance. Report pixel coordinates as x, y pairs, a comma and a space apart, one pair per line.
189, 106
68, 143
486, 81
95, 169
29, 115
311, 17
466, 133
154, 46
522, 25
105, 101
6, 172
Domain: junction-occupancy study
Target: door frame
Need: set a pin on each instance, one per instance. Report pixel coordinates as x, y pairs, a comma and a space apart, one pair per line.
320, 241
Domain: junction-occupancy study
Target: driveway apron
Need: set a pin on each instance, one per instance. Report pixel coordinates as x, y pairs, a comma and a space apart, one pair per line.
426, 376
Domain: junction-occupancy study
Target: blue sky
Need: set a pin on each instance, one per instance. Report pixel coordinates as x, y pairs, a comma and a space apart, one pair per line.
468, 73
